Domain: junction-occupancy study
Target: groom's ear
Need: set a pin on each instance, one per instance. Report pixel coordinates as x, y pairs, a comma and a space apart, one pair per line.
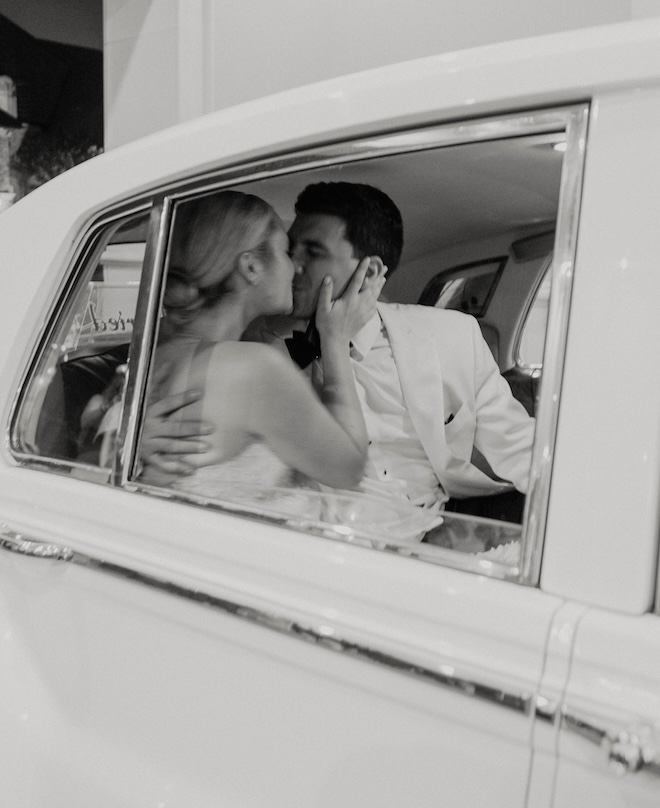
375, 270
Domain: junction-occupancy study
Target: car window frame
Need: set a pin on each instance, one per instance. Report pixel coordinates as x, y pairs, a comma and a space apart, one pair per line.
571, 119
85, 248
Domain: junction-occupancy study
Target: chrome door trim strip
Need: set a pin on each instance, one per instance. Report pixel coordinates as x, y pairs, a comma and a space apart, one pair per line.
324, 636
582, 727
17, 543
626, 751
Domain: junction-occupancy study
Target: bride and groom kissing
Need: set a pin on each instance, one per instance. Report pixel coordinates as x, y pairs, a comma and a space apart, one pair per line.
397, 401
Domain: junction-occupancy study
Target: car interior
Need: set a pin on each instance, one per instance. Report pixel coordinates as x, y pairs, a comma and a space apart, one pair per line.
479, 227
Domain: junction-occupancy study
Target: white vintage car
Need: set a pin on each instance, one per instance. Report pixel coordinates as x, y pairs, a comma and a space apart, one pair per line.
171, 648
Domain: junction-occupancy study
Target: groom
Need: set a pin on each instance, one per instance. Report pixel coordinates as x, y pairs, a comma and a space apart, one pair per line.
442, 421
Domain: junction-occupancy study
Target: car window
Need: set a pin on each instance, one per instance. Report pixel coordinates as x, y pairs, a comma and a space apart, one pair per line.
468, 195
71, 407
472, 252
532, 337
467, 288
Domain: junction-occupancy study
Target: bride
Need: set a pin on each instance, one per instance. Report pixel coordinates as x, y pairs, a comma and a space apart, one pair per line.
229, 265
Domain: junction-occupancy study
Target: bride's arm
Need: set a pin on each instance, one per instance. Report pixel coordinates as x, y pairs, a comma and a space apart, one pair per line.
325, 440
283, 409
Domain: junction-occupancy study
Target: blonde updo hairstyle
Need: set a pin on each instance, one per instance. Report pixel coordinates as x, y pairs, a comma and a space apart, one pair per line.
210, 234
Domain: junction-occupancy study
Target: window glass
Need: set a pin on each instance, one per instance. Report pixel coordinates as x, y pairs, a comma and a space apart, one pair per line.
532, 338
464, 208
71, 406
467, 288
441, 385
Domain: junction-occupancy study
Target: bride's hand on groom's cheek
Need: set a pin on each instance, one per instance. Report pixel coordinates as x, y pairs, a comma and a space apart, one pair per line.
346, 314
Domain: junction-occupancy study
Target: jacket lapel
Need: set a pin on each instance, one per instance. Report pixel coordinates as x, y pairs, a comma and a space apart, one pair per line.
420, 373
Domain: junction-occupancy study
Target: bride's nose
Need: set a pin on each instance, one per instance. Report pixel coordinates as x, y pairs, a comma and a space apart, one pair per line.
296, 260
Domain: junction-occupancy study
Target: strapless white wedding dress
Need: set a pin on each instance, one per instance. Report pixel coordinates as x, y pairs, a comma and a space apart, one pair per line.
254, 470
258, 480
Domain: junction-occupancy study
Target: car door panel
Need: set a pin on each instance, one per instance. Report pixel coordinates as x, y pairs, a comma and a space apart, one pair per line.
169, 649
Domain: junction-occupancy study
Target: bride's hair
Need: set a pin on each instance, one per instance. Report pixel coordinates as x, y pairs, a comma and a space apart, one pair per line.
210, 233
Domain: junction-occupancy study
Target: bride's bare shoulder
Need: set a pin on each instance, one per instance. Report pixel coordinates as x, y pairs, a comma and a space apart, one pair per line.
249, 358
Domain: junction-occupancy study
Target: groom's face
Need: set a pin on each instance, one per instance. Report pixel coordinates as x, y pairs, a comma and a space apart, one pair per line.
318, 247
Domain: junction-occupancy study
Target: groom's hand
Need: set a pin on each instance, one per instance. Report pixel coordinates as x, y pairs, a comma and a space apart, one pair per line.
167, 438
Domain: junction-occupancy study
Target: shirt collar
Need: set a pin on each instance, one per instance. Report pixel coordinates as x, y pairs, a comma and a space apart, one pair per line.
365, 338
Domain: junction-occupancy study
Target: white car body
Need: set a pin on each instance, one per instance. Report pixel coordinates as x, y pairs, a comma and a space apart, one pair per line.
179, 678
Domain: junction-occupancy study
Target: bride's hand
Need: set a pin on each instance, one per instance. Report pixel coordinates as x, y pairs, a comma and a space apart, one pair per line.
342, 318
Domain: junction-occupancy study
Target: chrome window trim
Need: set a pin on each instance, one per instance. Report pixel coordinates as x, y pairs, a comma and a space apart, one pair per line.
326, 636
144, 331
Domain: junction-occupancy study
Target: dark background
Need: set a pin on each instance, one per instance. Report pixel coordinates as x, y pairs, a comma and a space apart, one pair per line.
59, 84
73, 22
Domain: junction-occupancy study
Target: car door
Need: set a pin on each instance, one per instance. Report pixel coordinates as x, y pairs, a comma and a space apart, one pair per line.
187, 650
167, 668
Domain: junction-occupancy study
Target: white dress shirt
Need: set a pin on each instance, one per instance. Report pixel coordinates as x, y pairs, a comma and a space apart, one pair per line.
397, 463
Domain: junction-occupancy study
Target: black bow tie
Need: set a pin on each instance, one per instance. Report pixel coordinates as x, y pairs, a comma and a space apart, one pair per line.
304, 346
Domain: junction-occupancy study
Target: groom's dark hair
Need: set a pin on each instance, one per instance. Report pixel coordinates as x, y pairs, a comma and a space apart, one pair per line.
373, 222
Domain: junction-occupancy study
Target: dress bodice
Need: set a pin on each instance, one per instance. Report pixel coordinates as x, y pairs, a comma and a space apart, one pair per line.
254, 470
254, 477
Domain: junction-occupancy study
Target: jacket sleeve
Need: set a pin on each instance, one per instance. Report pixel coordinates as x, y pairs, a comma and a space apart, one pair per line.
504, 431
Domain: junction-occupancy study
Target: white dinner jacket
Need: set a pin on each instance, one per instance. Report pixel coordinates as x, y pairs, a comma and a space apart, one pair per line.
458, 400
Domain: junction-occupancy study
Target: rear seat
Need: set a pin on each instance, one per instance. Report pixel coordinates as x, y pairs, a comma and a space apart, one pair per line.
73, 385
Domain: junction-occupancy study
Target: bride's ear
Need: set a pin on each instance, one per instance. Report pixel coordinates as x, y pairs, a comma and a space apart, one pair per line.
250, 268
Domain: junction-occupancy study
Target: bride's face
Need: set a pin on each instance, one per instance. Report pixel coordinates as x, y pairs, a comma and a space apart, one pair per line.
277, 284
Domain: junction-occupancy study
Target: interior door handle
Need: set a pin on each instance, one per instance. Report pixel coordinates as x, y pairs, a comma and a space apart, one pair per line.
630, 750
17, 543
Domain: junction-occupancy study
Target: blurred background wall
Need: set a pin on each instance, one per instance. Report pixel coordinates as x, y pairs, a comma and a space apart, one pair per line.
171, 60
51, 90
166, 61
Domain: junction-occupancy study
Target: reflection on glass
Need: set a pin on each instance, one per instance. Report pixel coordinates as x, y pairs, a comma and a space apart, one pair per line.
71, 408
